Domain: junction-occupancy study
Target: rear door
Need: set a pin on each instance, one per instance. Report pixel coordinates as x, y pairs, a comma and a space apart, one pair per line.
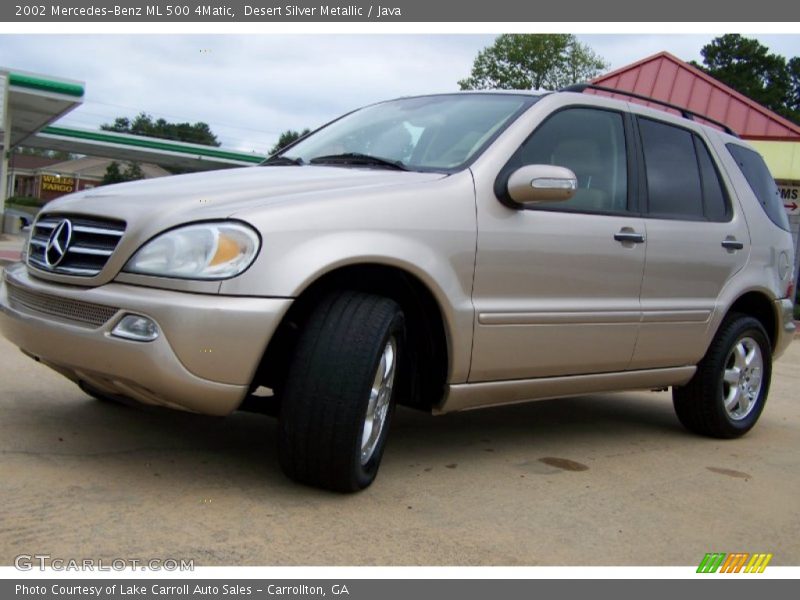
696, 242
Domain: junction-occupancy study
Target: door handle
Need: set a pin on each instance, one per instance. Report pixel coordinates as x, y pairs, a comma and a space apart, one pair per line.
629, 236
732, 244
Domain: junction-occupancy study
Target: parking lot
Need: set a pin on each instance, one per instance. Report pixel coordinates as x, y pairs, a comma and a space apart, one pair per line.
601, 480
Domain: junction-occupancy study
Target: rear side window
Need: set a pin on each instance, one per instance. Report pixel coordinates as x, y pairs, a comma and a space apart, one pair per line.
715, 201
759, 178
682, 181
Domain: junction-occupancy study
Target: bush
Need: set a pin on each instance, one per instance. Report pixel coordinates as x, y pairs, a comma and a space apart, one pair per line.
25, 201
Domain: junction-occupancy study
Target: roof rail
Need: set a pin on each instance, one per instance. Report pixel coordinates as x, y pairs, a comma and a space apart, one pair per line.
684, 112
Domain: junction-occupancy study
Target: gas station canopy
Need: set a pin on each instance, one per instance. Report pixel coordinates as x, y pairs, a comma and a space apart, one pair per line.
136, 148
35, 101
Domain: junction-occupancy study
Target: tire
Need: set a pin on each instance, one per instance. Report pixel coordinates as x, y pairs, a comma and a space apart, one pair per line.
340, 392
727, 394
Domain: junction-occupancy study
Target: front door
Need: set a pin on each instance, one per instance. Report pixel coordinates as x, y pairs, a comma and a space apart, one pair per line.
556, 288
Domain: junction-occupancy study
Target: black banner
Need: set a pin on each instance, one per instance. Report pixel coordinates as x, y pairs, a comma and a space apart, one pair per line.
731, 588
511, 11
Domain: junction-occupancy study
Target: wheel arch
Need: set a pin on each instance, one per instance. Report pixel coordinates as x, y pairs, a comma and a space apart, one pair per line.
759, 305
427, 327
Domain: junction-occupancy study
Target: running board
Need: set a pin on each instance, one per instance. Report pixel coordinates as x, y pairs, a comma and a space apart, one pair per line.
468, 396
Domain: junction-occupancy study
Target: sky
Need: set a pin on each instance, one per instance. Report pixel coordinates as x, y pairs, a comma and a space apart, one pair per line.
250, 88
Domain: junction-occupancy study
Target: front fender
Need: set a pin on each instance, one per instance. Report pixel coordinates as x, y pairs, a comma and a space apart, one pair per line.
429, 233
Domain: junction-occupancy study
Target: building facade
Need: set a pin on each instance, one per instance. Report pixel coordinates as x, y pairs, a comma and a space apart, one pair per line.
46, 178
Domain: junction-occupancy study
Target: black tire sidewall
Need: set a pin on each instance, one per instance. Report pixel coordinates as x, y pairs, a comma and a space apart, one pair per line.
327, 391
739, 329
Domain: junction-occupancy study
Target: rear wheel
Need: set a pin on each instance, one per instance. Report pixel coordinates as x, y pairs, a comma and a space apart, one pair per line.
340, 392
725, 397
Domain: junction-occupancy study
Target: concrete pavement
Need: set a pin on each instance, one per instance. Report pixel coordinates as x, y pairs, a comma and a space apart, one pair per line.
599, 480
10, 248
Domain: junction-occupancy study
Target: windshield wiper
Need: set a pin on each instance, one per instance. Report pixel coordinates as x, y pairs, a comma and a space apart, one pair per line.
356, 158
283, 161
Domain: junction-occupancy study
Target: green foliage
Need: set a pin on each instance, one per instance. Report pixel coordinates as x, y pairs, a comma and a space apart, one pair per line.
750, 68
533, 61
286, 138
793, 101
25, 201
56, 154
144, 124
115, 174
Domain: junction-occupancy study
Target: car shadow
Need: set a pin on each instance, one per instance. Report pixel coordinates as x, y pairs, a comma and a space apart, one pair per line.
243, 446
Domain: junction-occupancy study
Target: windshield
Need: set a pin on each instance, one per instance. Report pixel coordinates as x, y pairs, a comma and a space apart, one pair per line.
439, 133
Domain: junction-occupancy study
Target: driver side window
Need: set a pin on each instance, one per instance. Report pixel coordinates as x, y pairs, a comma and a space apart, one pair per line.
590, 142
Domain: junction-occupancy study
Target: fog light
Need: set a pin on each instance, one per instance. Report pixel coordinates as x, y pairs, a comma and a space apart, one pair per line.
136, 327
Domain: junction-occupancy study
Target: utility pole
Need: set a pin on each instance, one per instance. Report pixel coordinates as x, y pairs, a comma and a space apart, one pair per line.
5, 142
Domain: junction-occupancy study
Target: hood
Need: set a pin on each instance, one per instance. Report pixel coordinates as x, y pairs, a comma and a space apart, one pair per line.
152, 206
218, 194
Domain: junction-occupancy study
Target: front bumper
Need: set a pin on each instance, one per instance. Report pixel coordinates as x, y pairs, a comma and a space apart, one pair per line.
203, 360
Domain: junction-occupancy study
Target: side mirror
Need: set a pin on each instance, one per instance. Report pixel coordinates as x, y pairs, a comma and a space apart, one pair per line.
541, 183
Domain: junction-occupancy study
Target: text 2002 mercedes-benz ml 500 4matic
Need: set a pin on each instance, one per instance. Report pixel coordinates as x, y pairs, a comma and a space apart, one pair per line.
445, 252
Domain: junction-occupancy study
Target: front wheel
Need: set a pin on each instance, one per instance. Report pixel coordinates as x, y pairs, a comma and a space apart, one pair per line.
340, 392
725, 397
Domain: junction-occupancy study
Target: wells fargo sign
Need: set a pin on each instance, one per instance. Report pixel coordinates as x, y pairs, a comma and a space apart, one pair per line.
60, 185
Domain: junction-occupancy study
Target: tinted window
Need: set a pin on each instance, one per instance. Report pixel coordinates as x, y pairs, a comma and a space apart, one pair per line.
715, 200
592, 144
761, 182
674, 188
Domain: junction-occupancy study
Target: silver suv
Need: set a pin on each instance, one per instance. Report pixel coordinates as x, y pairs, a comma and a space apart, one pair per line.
445, 252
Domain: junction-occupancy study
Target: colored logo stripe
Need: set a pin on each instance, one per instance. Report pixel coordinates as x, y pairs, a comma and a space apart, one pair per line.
758, 563
734, 563
711, 562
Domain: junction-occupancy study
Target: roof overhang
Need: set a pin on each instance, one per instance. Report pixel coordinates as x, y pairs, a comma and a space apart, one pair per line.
34, 101
126, 147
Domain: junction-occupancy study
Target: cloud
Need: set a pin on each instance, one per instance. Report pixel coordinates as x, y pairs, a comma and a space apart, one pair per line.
249, 88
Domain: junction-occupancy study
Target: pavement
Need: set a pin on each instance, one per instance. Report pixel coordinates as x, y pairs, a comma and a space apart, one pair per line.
597, 480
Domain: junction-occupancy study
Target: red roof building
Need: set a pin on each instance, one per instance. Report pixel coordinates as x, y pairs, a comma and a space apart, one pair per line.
669, 79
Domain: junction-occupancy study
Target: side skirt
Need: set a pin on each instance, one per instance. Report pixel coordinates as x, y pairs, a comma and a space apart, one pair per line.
468, 396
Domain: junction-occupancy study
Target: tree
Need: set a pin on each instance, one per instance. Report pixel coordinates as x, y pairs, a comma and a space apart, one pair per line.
533, 61
750, 68
793, 103
286, 138
144, 124
115, 174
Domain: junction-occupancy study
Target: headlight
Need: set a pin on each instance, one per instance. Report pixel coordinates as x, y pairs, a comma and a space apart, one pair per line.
201, 251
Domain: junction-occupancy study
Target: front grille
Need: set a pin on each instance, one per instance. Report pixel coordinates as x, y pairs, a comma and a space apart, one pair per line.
82, 247
75, 311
